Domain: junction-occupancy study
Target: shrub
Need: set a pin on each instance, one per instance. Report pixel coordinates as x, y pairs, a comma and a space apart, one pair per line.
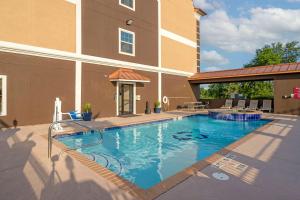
87, 107
157, 104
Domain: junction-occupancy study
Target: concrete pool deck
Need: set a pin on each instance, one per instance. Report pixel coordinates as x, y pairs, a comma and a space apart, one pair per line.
266, 166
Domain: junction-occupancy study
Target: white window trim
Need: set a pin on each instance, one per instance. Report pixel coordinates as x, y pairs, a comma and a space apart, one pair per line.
4, 95
117, 96
121, 4
133, 44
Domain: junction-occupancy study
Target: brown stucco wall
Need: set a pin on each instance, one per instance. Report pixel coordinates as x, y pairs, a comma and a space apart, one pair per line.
148, 91
283, 85
42, 23
178, 87
101, 20
100, 92
32, 85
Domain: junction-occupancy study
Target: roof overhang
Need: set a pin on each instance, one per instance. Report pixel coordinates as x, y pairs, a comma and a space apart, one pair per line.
125, 80
269, 72
200, 11
128, 75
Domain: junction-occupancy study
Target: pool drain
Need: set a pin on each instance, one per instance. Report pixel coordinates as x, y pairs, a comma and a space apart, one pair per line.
220, 176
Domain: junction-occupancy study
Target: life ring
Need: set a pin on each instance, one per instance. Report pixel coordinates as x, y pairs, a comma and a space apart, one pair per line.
165, 100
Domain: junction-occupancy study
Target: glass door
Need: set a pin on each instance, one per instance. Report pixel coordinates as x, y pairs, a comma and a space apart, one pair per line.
126, 99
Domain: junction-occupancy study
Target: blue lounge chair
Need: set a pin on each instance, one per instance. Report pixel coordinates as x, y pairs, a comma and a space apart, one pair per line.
74, 115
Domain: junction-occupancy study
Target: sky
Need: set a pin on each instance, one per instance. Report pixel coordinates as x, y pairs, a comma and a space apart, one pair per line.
234, 29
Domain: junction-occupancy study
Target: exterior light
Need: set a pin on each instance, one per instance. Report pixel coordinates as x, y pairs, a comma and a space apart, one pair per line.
129, 22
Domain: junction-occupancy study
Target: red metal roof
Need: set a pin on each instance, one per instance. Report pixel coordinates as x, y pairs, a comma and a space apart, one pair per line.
248, 72
127, 75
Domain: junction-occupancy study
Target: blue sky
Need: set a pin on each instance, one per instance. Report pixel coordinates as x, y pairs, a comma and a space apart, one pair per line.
234, 29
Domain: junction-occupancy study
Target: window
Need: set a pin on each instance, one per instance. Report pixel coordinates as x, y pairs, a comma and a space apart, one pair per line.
2, 95
126, 42
128, 4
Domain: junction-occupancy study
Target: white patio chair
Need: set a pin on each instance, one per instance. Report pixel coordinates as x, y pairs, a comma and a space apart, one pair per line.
228, 104
253, 105
267, 105
241, 104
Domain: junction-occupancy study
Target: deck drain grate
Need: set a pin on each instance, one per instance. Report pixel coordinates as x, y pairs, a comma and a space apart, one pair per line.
220, 176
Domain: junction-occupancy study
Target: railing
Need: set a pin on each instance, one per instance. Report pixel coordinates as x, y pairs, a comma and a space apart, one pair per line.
50, 129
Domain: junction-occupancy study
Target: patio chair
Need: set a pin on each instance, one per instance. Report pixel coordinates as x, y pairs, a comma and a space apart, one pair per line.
253, 105
74, 115
241, 104
228, 104
267, 106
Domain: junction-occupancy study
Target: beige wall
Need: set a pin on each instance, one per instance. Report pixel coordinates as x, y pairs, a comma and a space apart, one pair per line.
43, 23
178, 56
178, 17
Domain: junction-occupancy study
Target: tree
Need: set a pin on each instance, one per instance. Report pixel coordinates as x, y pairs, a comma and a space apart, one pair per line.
276, 53
218, 90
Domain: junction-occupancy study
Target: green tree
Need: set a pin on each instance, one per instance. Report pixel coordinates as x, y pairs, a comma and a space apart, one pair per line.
218, 90
276, 53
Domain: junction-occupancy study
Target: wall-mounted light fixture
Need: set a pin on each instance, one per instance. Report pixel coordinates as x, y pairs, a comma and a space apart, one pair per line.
129, 22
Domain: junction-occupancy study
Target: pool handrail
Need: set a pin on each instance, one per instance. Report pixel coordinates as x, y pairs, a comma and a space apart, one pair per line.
62, 122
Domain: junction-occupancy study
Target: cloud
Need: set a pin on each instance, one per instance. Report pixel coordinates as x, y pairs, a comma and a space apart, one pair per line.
246, 34
206, 5
209, 69
213, 58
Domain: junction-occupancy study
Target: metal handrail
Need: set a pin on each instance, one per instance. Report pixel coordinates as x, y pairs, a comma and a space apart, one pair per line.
62, 122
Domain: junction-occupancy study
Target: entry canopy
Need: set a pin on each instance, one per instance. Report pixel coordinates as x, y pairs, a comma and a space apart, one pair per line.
128, 75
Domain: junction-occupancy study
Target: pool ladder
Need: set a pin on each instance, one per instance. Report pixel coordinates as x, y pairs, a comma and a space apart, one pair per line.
50, 129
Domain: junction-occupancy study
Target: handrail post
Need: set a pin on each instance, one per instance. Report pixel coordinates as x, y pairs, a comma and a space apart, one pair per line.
51, 128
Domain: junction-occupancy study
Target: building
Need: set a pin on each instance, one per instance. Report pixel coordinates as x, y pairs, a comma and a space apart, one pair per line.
114, 54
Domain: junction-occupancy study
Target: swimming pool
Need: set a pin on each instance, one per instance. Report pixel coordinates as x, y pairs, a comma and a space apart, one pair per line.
149, 153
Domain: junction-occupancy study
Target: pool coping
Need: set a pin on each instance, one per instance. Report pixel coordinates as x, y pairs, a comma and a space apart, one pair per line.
167, 184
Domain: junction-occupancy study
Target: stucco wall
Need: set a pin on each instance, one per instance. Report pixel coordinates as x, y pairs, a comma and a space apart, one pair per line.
42, 23
33, 83
101, 20
100, 91
178, 17
283, 85
178, 89
178, 56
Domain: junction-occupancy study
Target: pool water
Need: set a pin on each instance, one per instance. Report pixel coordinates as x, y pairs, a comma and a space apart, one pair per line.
149, 153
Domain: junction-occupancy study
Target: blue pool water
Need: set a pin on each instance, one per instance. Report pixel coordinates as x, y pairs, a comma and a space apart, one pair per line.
149, 153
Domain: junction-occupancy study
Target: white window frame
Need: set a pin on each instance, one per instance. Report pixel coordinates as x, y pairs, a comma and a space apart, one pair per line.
4, 95
133, 8
133, 42
117, 96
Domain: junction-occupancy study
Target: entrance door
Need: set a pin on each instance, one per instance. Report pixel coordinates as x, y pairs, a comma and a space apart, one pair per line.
126, 99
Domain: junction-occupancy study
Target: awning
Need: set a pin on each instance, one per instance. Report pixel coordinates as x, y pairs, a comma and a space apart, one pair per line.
128, 75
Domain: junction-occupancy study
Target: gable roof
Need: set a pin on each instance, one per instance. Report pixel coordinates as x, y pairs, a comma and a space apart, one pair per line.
127, 75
